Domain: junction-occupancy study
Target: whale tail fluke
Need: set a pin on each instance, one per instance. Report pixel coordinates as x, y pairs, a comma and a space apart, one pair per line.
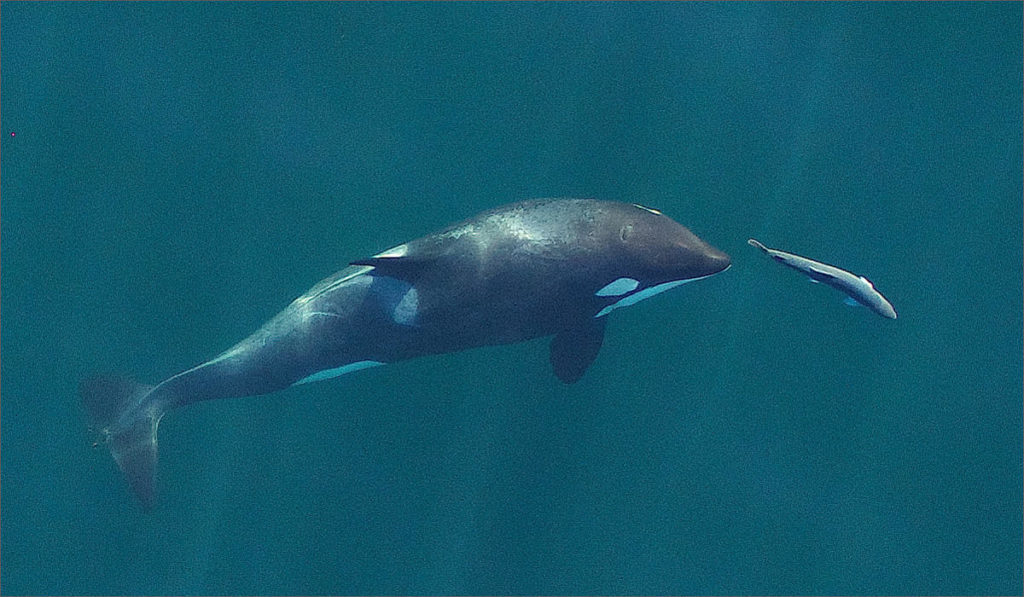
117, 408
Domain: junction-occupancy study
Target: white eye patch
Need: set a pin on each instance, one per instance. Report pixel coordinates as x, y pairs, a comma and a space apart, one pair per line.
618, 287
646, 293
636, 297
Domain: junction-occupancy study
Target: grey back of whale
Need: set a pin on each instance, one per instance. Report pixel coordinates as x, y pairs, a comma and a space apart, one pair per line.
550, 267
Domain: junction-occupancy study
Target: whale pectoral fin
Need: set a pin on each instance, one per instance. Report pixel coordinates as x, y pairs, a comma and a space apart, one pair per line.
573, 350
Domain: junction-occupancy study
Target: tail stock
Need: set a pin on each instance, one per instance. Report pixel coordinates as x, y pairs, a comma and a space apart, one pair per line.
117, 409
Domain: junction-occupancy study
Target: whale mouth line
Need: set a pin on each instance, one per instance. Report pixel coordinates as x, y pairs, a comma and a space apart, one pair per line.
635, 297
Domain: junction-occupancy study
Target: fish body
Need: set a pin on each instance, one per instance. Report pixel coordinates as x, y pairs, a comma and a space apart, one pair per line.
857, 288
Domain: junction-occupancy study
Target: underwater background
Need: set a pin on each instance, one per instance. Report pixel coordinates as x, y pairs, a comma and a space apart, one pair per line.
174, 174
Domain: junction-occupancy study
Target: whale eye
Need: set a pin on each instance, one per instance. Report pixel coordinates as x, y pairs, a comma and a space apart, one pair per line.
625, 232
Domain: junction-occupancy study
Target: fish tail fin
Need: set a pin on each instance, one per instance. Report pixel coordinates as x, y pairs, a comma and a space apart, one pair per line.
117, 408
757, 244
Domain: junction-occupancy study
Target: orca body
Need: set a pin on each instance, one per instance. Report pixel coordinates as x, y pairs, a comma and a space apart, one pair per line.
553, 267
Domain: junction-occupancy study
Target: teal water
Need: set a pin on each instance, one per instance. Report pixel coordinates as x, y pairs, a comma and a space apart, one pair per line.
173, 174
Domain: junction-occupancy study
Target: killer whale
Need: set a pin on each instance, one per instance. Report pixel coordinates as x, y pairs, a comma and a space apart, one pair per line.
546, 267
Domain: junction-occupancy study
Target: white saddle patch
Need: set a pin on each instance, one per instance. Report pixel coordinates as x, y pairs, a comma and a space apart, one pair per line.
405, 311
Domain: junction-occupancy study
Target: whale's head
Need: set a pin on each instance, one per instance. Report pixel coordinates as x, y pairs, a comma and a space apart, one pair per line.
660, 249
651, 253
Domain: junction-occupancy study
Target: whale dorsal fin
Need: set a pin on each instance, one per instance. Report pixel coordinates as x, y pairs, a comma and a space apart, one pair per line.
407, 268
574, 350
